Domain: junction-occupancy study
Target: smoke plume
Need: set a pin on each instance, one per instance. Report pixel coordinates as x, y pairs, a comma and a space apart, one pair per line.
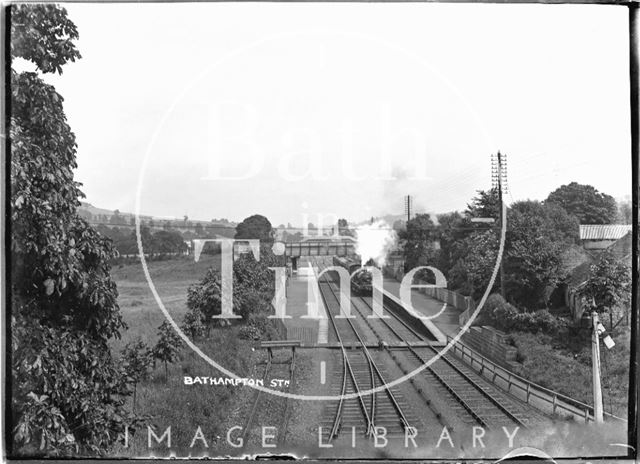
375, 241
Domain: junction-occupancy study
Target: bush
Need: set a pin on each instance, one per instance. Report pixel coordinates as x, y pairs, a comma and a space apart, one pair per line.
506, 317
167, 346
136, 361
206, 296
192, 323
494, 308
253, 291
258, 327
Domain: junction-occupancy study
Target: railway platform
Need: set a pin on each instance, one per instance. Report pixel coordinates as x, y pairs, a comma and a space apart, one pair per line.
315, 332
446, 320
309, 331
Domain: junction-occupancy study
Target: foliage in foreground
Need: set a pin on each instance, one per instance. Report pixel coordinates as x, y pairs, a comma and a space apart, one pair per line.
67, 393
184, 408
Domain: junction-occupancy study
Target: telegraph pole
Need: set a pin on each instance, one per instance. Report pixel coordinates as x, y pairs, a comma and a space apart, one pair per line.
634, 68
499, 182
407, 206
598, 415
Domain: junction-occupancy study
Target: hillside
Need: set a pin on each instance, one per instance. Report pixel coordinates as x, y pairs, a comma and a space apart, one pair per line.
102, 215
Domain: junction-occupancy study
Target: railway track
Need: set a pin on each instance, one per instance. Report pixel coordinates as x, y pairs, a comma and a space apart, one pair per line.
476, 399
269, 410
485, 404
360, 372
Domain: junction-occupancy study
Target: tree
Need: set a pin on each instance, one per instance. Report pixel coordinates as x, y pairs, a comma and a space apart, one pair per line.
469, 250
452, 230
564, 224
255, 227
608, 288
146, 237
165, 241
253, 290
485, 204
419, 236
625, 214
167, 347
343, 228
537, 236
289, 237
205, 298
476, 258
67, 393
457, 244
136, 360
116, 218
585, 203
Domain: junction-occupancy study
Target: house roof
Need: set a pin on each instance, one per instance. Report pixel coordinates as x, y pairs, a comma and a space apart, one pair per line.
603, 231
579, 274
621, 249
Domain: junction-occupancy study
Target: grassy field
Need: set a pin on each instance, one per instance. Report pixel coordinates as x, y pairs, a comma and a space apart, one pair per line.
546, 361
171, 279
167, 401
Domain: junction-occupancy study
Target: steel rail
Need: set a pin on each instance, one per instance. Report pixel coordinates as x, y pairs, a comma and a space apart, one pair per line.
392, 398
475, 384
438, 377
285, 419
347, 369
450, 363
372, 368
254, 408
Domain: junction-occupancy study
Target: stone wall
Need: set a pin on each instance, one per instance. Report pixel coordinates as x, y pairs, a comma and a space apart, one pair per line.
491, 343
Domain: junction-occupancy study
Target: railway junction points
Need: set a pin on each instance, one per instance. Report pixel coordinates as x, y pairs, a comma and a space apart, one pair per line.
384, 386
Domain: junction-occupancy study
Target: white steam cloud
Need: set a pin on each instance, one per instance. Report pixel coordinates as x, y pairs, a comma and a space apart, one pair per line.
375, 241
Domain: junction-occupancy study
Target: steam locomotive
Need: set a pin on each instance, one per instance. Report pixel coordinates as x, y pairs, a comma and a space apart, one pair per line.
361, 280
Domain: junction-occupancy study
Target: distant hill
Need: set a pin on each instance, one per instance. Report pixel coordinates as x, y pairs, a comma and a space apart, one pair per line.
107, 216
95, 214
89, 208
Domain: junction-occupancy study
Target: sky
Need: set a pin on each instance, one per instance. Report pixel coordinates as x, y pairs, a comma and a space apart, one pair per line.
309, 112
